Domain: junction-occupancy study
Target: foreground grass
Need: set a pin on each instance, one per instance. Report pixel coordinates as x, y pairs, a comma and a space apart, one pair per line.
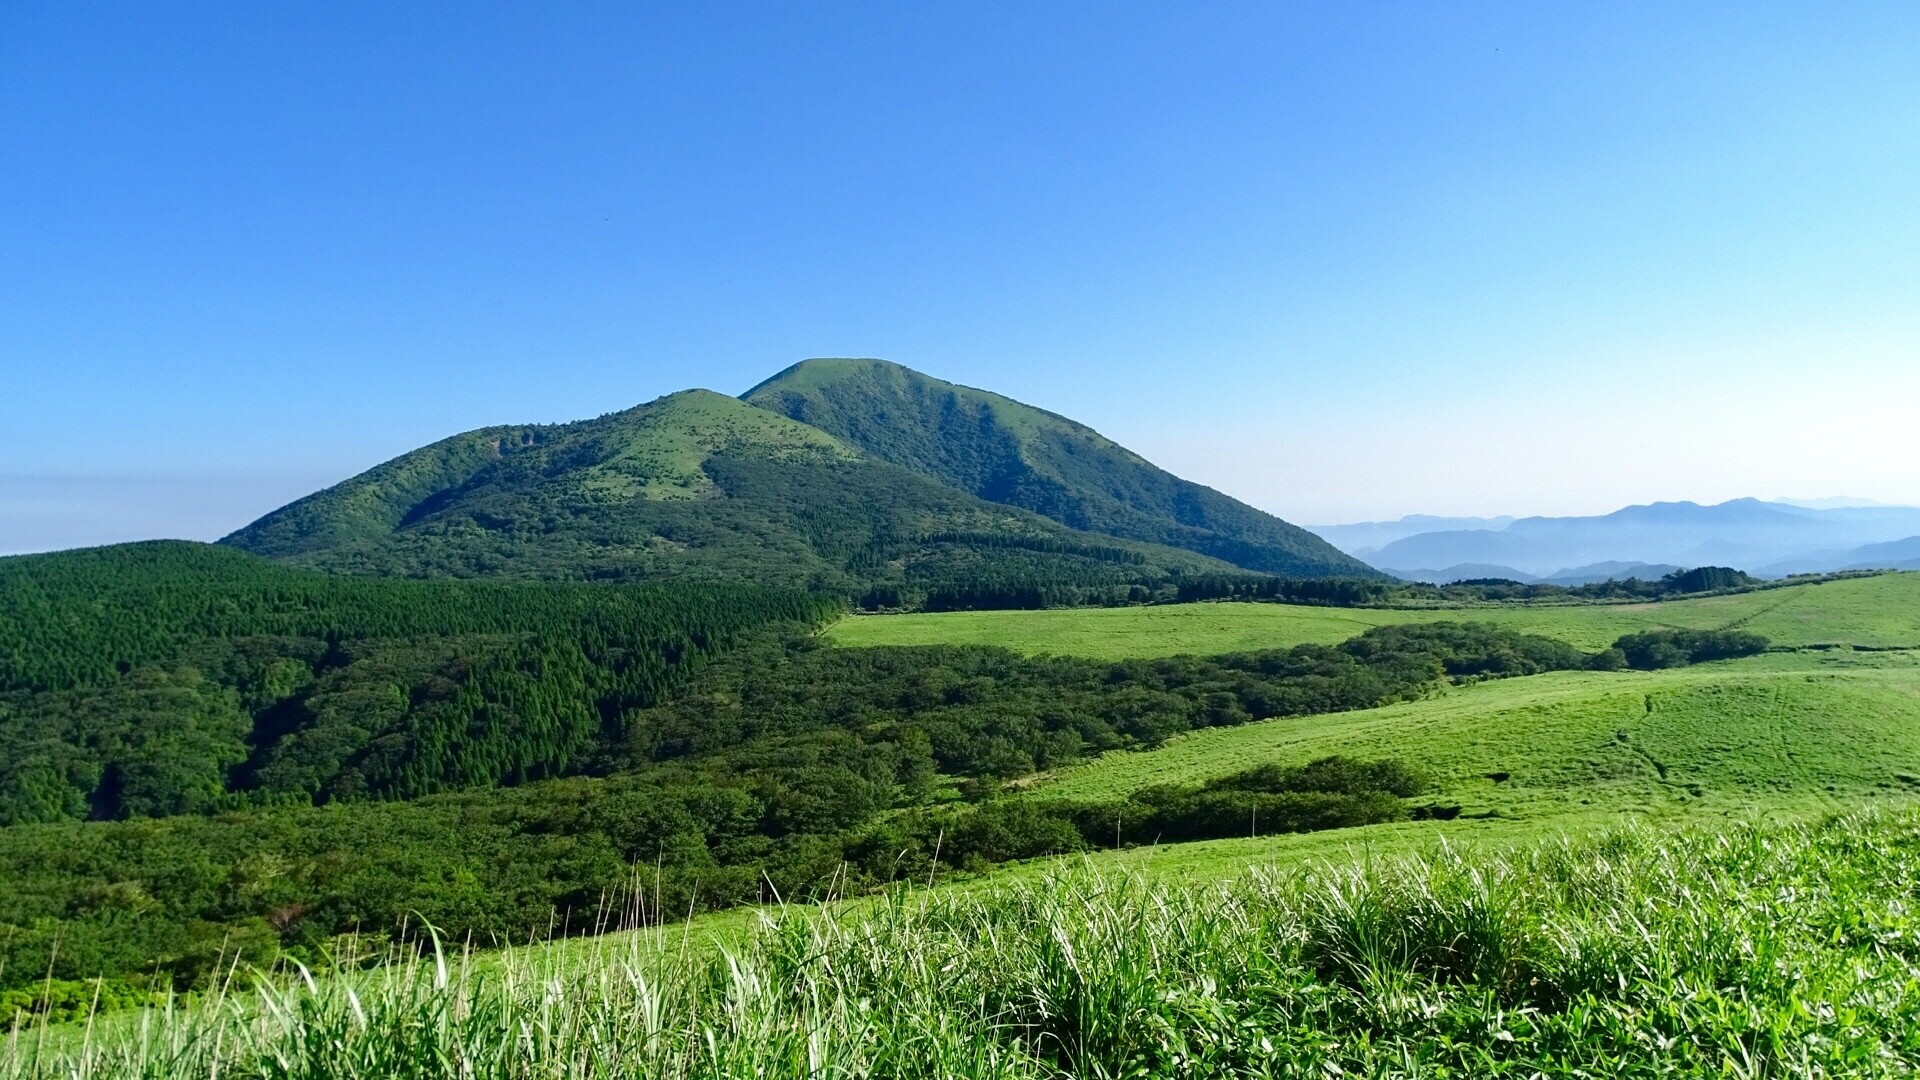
1750, 950
1873, 612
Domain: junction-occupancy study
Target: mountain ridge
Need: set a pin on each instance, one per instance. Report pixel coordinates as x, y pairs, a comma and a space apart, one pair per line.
701, 484
1009, 452
1764, 537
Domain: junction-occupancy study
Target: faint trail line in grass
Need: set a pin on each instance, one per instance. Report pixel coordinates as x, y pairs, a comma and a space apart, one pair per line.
1777, 722
1659, 767
1769, 609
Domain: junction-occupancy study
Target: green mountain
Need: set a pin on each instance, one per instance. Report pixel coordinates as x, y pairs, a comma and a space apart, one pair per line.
1015, 454
697, 484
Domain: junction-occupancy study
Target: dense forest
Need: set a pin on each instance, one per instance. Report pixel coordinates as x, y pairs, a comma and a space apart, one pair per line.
168, 678
781, 766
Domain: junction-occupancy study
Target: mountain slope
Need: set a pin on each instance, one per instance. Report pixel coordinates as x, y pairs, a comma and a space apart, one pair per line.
693, 484
1011, 453
1895, 555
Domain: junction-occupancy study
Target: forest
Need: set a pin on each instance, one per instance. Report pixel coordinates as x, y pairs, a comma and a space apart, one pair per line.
159, 679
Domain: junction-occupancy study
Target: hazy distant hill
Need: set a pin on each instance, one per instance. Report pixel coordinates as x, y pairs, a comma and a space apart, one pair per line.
693, 484
1007, 452
1746, 533
1611, 571
1571, 576
1895, 555
1369, 536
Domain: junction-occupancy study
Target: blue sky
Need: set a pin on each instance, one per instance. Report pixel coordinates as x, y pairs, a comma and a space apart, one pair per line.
1342, 261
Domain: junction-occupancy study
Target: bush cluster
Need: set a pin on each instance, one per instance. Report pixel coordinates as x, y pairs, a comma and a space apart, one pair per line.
1655, 649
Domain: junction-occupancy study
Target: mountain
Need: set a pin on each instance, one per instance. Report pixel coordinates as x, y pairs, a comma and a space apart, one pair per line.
1901, 554
1010, 453
1610, 571
1463, 572
693, 484
1745, 533
1898, 555
1362, 538
1831, 502
1571, 576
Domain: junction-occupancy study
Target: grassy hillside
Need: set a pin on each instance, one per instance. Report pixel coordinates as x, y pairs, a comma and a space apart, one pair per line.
1872, 612
1007, 452
694, 484
1756, 951
1800, 729
652, 452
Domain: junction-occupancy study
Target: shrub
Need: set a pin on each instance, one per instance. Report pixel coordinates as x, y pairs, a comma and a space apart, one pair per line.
1655, 649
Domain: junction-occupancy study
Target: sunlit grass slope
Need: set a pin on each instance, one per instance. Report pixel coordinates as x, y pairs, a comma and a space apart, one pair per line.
1751, 950
1803, 729
1873, 612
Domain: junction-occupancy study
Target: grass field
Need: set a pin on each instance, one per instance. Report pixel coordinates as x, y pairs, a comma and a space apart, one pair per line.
1780, 949
1806, 728
1875, 612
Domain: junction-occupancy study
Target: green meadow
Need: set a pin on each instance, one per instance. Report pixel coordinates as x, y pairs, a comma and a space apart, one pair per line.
1798, 728
1828, 721
1870, 612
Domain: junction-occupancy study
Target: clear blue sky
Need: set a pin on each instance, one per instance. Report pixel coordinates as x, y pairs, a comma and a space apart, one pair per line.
1339, 260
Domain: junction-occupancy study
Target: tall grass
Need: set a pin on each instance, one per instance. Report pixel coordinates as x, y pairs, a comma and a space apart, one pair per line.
1755, 950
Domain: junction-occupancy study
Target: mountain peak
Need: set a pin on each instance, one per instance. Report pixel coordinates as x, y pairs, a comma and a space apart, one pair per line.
821, 369
1009, 452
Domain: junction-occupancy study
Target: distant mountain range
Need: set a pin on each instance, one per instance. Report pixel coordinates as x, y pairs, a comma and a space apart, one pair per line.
840, 474
1575, 575
1371, 536
1770, 539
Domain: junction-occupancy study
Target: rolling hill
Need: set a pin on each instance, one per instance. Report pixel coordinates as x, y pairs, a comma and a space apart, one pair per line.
694, 484
1007, 452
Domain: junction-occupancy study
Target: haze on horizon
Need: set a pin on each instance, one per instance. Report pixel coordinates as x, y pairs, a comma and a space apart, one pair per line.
1342, 263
